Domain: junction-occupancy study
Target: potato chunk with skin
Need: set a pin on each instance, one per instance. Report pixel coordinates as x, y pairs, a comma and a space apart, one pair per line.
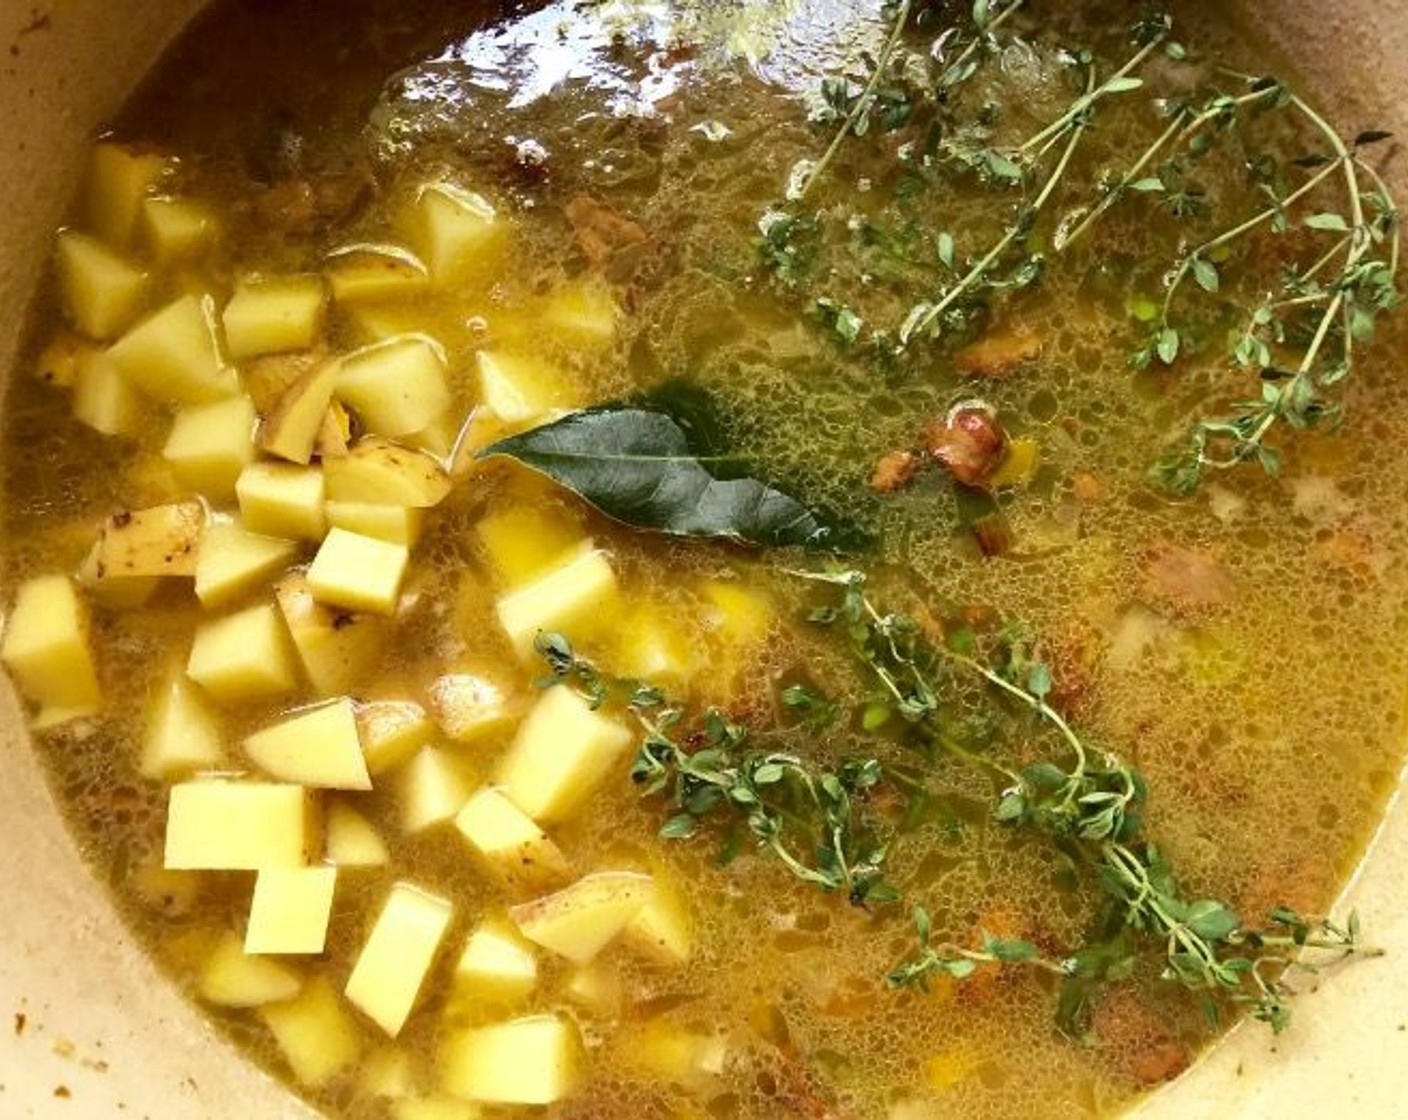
282, 500
233, 978
314, 1031
318, 747
534, 1060
577, 597
562, 752
292, 429
361, 274
338, 650
661, 930
220, 825
497, 965
210, 444
160, 541
358, 573
580, 920
47, 647
468, 707
379, 472
243, 656
182, 734
509, 840
172, 355
101, 290
234, 562
271, 314
397, 387
396, 524
116, 592
392, 731
290, 910
393, 964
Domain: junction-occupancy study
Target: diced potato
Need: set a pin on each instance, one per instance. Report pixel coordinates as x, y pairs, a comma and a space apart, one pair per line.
352, 840
397, 387
172, 355
182, 732
396, 524
374, 322
210, 444
534, 1060
235, 562
1018, 465
562, 752
233, 978
670, 1052
457, 233
468, 707
291, 910
433, 1108
652, 646
582, 313
117, 184
578, 597
57, 364
160, 541
520, 390
372, 273
271, 314
433, 789
171, 894
510, 842
662, 929
580, 920
525, 539
439, 437
291, 431
220, 825
176, 229
318, 1037
47, 647
394, 962
737, 614
379, 472
389, 1072
358, 573
282, 500
116, 592
497, 964
103, 398
339, 651
317, 747
101, 290
243, 656
597, 987
335, 434
392, 731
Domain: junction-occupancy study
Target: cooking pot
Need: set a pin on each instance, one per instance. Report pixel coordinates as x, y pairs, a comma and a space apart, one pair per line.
88, 1027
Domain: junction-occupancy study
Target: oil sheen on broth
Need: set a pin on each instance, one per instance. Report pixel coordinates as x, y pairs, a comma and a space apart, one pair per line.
631, 156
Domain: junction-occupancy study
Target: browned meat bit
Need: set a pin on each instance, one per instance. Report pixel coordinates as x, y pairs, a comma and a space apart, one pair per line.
999, 352
600, 231
1087, 489
307, 204
895, 471
1188, 580
969, 443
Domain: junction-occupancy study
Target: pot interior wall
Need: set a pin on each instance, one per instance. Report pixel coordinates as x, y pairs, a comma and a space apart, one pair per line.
97, 1032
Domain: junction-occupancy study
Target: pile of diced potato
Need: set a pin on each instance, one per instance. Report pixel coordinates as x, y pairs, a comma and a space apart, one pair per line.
295, 536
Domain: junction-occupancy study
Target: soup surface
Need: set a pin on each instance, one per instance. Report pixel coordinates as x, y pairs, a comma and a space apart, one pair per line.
503, 216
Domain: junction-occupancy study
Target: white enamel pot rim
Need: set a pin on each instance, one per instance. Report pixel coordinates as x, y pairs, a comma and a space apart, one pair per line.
96, 1032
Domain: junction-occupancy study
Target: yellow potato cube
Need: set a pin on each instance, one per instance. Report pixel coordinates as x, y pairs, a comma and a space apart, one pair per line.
396, 524
497, 965
57, 364
116, 592
232, 978
578, 598
358, 573
509, 840
468, 707
652, 646
176, 229
394, 962
271, 314
389, 1071
379, 472
295, 425
597, 987
352, 840
210, 444
339, 651
524, 540
101, 291
397, 387
282, 500
580, 920
233, 562
562, 752
662, 929
372, 273
47, 647
182, 734
159, 541
103, 398
317, 1036
392, 731
172, 355
583, 314
243, 656
670, 1052
117, 184
737, 614
220, 825
433, 1108
433, 788
534, 1060
291, 910
520, 390
457, 233
318, 747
